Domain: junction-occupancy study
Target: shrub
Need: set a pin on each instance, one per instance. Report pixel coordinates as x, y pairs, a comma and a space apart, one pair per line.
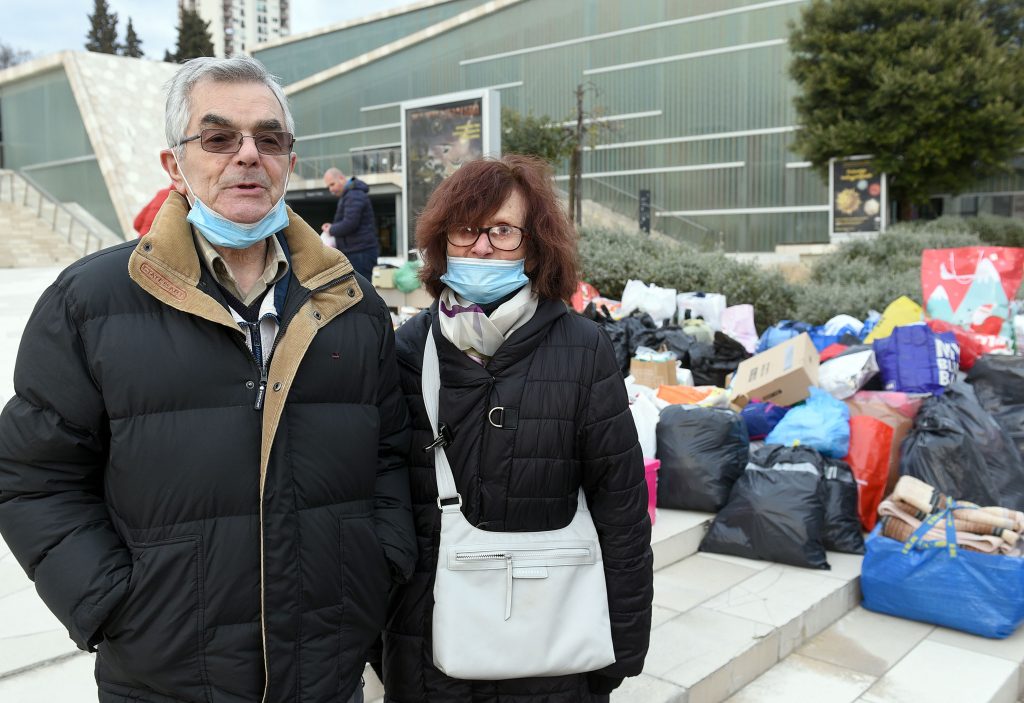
866, 275
859, 276
609, 258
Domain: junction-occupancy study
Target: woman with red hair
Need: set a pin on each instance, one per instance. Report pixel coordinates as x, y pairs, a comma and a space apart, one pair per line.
536, 409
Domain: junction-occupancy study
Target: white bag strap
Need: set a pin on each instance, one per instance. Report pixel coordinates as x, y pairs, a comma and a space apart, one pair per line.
430, 385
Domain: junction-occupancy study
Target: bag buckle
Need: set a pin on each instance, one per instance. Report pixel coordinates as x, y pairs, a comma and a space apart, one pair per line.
443, 502
443, 439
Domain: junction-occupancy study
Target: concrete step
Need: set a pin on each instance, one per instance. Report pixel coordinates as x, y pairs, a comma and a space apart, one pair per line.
30, 241
866, 657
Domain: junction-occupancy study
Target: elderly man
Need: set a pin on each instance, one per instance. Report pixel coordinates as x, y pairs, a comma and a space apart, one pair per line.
201, 468
354, 228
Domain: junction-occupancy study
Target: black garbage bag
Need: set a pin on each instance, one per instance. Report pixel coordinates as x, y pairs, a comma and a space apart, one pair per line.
998, 381
620, 332
959, 448
616, 331
711, 363
669, 337
702, 452
776, 511
842, 523
841, 531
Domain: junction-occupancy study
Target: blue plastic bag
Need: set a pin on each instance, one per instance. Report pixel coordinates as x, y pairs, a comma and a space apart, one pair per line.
978, 593
777, 334
822, 423
761, 418
914, 359
822, 339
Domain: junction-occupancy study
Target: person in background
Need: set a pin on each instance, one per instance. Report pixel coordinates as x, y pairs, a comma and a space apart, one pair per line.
203, 468
500, 260
354, 227
144, 220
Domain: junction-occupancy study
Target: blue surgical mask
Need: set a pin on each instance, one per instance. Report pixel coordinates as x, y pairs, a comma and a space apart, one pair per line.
223, 232
483, 281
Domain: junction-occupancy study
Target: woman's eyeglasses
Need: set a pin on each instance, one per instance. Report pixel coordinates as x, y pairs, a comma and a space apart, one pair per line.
503, 237
229, 141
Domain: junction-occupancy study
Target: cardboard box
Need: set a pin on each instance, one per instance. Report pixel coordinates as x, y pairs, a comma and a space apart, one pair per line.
383, 277
653, 373
781, 375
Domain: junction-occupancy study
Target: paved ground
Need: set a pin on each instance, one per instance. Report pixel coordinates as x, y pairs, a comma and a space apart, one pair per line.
29, 634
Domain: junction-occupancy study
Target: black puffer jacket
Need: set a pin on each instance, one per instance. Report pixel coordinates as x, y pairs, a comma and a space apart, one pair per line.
208, 549
574, 427
355, 228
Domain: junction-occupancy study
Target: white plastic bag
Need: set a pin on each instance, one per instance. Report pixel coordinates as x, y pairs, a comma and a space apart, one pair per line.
845, 375
645, 416
837, 323
738, 323
659, 303
707, 306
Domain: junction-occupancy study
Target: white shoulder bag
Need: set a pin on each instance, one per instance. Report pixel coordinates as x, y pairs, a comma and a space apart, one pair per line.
510, 605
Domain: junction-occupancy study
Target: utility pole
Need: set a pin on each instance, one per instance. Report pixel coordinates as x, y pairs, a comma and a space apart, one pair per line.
576, 163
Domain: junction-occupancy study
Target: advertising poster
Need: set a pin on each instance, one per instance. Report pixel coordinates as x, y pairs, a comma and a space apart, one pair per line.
858, 196
440, 135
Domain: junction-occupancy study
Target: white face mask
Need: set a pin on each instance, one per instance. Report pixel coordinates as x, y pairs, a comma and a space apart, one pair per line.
221, 231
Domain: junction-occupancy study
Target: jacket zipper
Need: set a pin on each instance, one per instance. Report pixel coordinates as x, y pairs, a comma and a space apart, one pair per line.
260, 397
509, 559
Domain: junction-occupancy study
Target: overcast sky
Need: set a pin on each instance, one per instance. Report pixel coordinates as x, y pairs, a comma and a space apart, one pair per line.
45, 26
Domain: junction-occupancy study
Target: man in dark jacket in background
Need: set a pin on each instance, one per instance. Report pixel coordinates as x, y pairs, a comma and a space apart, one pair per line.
354, 228
202, 466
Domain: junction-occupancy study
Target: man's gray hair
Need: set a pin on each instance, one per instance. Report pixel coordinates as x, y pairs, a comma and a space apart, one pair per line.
238, 69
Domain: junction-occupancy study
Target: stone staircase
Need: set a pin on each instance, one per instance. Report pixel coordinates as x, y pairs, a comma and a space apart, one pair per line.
37, 232
724, 629
720, 622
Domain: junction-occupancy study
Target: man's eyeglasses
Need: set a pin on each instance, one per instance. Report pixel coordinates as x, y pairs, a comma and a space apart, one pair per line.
229, 141
504, 237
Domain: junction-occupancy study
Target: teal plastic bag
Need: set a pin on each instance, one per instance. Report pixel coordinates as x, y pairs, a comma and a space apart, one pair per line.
407, 277
822, 423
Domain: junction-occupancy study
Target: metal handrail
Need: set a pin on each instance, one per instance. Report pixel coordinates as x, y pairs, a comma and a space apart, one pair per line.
351, 163
44, 195
707, 231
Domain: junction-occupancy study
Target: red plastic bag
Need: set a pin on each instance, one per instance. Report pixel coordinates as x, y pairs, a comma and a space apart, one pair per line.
972, 287
583, 295
831, 352
870, 444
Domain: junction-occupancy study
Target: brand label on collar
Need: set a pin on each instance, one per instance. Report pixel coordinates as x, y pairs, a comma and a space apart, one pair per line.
165, 283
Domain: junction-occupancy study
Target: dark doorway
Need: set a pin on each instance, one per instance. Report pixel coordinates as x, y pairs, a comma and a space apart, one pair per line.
318, 206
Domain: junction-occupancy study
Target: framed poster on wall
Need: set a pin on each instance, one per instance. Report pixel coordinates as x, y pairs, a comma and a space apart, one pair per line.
439, 134
859, 197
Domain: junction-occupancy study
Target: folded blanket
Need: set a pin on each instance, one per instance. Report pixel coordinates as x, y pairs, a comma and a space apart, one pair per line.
991, 530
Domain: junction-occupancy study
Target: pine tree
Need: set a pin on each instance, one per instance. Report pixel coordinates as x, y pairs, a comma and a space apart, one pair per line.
132, 44
194, 38
102, 36
934, 90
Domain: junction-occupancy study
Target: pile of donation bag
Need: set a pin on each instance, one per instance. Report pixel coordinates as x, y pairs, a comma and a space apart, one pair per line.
898, 437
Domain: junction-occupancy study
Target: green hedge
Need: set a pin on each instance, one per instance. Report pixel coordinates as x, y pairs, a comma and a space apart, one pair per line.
609, 258
867, 275
858, 277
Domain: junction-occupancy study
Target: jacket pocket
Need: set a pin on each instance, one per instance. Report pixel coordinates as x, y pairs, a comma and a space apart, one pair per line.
366, 582
154, 639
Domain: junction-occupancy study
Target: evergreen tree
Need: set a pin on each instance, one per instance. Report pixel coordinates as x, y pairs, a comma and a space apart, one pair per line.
102, 36
934, 89
132, 44
194, 38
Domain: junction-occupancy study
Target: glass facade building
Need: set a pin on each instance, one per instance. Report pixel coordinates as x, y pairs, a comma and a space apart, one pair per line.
693, 97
